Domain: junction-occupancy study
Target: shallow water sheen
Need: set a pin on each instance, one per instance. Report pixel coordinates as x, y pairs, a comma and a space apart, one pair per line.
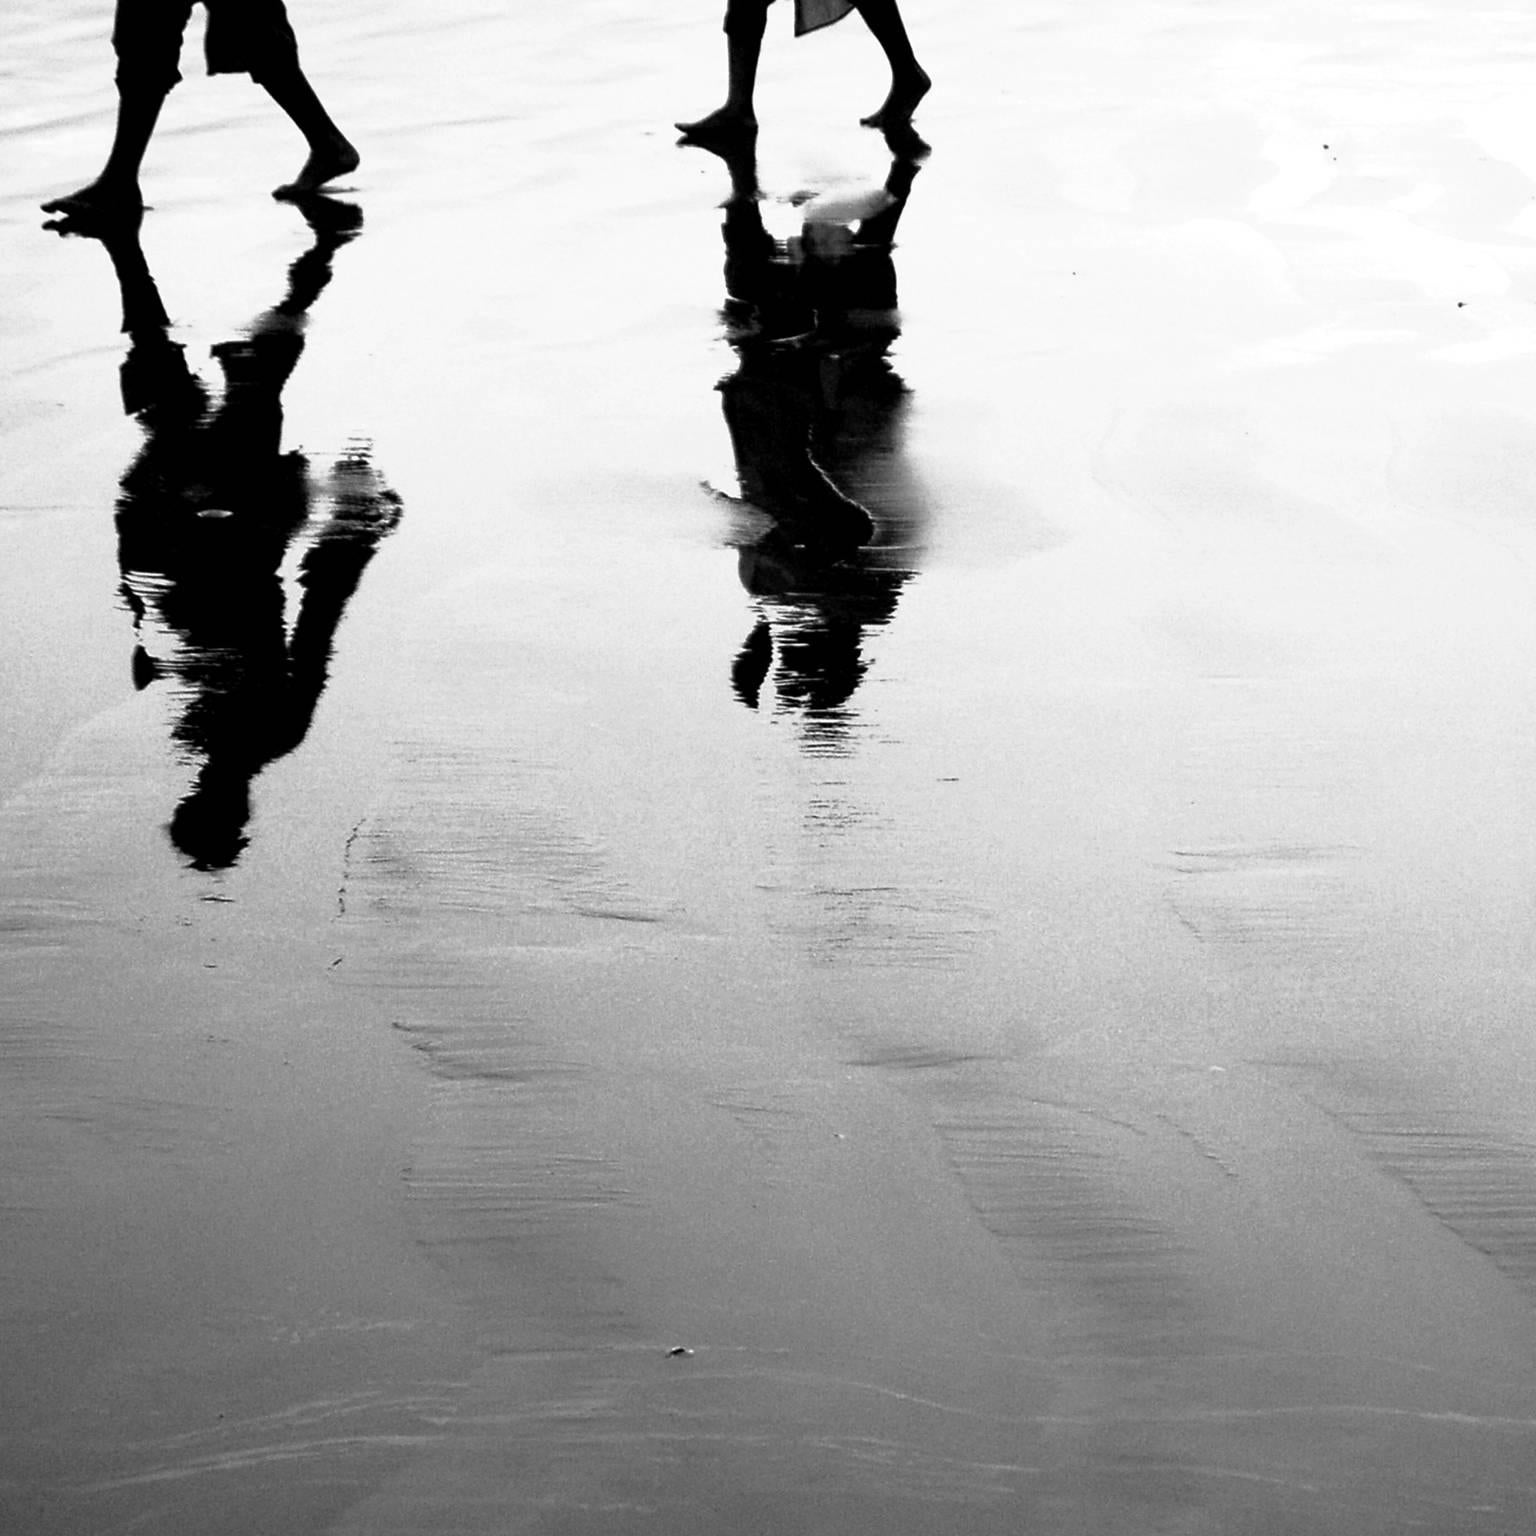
536, 1001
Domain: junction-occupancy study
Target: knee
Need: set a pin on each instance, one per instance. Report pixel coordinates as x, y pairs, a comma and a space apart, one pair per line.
144, 72
747, 17
133, 81
147, 42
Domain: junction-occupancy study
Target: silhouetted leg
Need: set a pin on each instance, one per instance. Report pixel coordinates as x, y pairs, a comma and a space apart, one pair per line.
157, 385
745, 23
749, 247
769, 415
821, 660
909, 80
115, 192
363, 511
146, 39
257, 365
331, 153
740, 157
751, 665
333, 223
880, 228
143, 309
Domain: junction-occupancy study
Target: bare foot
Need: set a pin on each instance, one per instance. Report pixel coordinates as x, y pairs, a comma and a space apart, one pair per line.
325, 163
101, 202
897, 108
721, 126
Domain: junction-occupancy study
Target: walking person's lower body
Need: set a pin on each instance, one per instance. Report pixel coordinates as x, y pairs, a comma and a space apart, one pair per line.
745, 23
251, 37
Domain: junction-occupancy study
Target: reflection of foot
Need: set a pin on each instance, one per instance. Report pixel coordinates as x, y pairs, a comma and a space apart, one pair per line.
326, 162
726, 125
906, 144
897, 108
145, 668
103, 202
740, 157
332, 219
362, 506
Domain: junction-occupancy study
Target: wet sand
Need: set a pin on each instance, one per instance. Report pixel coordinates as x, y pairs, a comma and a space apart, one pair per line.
1025, 1030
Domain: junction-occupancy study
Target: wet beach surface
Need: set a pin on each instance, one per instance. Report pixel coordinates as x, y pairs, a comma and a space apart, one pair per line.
1025, 1029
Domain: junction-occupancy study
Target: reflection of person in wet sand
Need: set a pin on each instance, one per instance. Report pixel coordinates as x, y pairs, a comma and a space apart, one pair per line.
814, 412
745, 23
244, 37
210, 512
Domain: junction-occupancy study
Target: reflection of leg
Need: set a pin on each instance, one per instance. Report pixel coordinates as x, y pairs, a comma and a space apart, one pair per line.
331, 153
262, 711
750, 667
223, 601
909, 80
880, 228
821, 660
363, 511
769, 418
157, 384
115, 192
749, 248
333, 223
745, 23
143, 310
257, 366
747, 243
740, 156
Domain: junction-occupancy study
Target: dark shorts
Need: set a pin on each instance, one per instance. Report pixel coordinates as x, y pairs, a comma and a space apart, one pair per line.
244, 37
